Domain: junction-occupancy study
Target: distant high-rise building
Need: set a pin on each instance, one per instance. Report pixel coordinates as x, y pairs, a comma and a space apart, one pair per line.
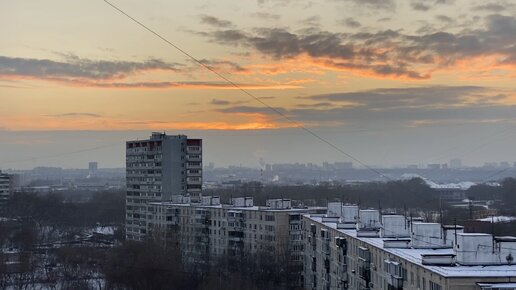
490, 165
93, 166
455, 163
433, 166
156, 170
343, 165
92, 169
5, 187
505, 164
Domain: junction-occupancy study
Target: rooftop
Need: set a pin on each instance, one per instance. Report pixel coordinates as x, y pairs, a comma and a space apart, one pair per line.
232, 207
414, 256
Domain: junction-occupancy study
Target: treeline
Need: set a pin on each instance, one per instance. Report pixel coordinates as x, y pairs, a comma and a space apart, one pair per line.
143, 266
412, 193
31, 219
505, 194
107, 207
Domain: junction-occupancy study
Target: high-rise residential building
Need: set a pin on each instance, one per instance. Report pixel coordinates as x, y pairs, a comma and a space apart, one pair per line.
343, 165
93, 166
92, 169
455, 163
157, 169
5, 187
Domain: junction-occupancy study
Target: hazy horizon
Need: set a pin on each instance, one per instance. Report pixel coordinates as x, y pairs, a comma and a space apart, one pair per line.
248, 147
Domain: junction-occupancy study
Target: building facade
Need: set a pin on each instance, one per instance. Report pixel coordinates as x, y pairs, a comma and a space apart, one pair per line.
157, 169
206, 230
392, 252
5, 187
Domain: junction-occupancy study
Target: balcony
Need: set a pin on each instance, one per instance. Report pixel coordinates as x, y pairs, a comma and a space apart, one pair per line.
196, 173
193, 149
194, 158
193, 166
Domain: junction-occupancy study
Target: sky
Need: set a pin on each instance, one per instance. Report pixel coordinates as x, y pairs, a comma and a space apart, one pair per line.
390, 82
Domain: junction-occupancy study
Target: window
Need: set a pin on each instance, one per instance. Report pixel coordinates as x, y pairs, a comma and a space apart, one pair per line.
434, 286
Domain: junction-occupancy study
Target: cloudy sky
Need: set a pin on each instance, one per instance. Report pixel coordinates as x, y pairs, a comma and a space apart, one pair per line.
389, 81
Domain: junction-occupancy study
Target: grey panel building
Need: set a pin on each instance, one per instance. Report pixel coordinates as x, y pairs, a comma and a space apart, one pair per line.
348, 248
5, 187
157, 169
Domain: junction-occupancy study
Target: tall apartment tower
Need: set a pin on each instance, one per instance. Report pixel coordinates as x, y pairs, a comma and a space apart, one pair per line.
157, 169
5, 187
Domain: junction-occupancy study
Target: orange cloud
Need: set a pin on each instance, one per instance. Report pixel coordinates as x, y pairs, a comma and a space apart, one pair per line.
161, 84
42, 123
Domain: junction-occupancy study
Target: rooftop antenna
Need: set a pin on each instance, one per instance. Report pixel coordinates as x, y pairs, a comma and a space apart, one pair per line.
455, 228
440, 210
493, 232
405, 214
411, 221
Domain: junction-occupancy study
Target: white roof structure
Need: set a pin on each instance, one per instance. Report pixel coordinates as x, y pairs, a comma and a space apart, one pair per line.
414, 256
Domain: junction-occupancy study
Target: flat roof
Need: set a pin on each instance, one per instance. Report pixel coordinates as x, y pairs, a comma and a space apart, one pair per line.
473, 234
414, 256
231, 207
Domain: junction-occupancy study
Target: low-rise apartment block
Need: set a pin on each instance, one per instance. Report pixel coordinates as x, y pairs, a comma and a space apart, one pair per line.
348, 248
208, 229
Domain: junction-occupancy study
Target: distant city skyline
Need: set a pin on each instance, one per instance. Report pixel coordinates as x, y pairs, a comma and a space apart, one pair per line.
227, 148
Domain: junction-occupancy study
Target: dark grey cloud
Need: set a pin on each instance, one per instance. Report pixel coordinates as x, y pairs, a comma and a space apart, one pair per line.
224, 65
78, 68
494, 7
266, 16
408, 97
316, 105
162, 85
425, 5
216, 22
311, 21
221, 102
373, 4
350, 22
251, 110
76, 115
283, 3
444, 18
398, 106
387, 52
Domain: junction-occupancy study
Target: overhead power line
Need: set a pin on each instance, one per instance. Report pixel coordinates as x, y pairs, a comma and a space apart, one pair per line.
229, 81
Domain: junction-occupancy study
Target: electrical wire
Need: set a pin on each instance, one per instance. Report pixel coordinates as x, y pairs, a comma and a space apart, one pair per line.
229, 81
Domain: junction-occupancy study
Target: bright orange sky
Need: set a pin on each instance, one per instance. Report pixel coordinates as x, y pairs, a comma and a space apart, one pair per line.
343, 65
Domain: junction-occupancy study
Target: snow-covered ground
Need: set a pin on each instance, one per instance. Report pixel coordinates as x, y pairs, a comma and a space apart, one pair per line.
499, 219
465, 185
